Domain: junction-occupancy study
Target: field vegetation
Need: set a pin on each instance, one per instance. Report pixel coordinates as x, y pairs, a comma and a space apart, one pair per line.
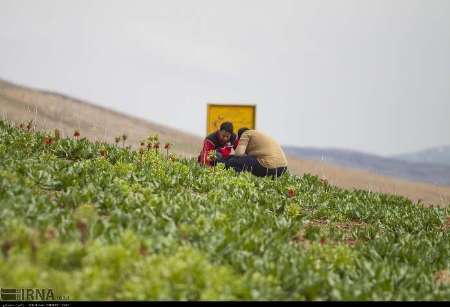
100, 221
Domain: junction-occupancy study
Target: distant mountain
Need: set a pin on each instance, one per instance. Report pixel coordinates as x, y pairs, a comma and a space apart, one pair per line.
438, 155
416, 171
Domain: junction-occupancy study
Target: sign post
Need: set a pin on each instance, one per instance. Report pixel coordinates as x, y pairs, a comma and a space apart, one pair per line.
240, 115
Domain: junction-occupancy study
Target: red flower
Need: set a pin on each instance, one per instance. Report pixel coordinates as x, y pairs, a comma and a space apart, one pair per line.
167, 146
76, 133
322, 241
48, 140
6, 246
291, 193
83, 229
29, 125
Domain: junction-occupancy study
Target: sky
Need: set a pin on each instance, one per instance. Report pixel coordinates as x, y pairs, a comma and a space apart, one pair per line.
367, 75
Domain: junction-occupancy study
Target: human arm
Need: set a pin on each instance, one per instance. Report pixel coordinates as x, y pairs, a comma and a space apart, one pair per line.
236, 143
207, 147
242, 145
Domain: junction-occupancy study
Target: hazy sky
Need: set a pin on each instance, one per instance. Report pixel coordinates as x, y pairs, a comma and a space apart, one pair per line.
369, 75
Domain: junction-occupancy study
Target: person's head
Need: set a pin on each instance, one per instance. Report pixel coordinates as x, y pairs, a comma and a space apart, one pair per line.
226, 131
241, 131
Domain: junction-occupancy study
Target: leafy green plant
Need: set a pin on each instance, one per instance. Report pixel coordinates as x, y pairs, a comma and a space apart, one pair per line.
100, 222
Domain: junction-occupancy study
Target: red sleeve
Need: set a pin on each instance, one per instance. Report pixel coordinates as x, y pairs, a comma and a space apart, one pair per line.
207, 147
225, 151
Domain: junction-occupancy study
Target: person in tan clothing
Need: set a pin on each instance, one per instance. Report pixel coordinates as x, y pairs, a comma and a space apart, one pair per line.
258, 153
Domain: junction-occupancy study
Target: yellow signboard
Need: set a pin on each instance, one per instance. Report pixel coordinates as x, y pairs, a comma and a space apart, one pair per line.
239, 115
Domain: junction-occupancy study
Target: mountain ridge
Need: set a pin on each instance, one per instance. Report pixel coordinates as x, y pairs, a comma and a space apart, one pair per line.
434, 173
436, 155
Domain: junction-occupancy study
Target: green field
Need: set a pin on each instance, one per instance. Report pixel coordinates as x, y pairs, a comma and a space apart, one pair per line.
100, 222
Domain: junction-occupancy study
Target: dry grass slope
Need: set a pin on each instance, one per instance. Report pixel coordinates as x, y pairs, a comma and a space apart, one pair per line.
50, 111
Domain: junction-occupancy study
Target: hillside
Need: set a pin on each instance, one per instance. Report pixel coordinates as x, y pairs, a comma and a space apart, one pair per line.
51, 110
437, 155
94, 221
419, 171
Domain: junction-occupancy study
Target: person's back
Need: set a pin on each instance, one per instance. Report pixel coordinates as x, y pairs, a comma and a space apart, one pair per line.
263, 147
259, 154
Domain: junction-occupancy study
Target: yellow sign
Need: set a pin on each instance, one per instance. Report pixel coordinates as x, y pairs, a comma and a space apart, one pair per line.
239, 115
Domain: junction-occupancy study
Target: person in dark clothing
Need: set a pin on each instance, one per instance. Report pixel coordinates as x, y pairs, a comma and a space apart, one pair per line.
221, 142
257, 153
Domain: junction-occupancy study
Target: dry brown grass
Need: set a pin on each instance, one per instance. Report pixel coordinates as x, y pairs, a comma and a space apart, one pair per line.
50, 111
442, 278
363, 180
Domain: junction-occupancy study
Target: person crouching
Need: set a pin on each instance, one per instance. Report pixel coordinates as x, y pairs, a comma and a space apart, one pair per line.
257, 153
220, 143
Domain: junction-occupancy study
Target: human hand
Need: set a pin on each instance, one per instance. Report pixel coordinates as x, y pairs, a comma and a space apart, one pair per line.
212, 155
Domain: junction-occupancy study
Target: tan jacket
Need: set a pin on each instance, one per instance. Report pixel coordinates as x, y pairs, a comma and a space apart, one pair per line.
261, 146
